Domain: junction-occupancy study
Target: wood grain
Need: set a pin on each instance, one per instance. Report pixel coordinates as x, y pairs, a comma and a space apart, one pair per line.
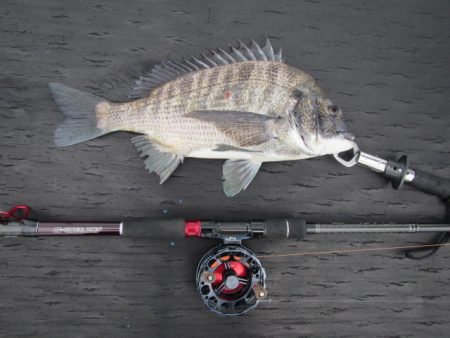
386, 63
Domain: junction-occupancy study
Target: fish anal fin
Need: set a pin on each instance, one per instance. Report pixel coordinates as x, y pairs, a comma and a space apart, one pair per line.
245, 128
156, 158
238, 174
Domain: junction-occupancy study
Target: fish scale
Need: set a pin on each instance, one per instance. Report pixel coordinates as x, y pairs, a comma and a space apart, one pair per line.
258, 91
246, 106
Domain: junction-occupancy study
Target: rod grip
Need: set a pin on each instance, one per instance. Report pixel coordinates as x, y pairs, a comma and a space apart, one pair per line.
294, 228
431, 184
166, 229
175, 229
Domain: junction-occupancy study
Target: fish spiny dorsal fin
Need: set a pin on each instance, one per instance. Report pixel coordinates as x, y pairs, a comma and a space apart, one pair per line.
226, 55
257, 51
218, 59
268, 50
208, 60
278, 56
237, 55
248, 54
170, 70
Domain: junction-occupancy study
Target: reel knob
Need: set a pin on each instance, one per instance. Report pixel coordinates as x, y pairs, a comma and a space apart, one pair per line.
230, 280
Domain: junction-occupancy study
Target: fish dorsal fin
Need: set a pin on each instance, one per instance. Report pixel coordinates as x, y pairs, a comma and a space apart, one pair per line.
170, 70
156, 158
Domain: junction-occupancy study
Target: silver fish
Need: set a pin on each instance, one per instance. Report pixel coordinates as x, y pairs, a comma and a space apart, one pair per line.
245, 105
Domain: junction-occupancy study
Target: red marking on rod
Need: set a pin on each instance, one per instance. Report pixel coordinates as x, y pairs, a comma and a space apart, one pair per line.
227, 95
192, 228
18, 213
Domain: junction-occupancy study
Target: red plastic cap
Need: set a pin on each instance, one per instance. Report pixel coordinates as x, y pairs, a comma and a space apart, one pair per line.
192, 228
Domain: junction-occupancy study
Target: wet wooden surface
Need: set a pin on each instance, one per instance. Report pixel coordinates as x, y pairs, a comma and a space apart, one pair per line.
385, 63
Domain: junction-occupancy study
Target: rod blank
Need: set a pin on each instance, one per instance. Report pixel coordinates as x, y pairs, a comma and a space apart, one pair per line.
375, 228
177, 229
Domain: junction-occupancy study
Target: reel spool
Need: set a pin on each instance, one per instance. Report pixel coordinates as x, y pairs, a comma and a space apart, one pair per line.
231, 280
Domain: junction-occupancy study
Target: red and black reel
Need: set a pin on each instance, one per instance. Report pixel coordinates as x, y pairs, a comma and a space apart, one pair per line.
231, 280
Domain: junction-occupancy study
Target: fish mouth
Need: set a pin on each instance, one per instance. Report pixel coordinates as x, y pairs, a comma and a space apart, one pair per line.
346, 135
343, 131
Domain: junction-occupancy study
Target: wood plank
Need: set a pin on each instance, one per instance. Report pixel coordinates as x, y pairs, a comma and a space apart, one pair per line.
385, 63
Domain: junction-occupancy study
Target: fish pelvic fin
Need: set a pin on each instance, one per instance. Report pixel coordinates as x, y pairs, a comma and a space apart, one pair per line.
85, 115
238, 174
156, 158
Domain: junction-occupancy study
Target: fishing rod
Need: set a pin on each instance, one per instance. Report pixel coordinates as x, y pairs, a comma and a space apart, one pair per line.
230, 278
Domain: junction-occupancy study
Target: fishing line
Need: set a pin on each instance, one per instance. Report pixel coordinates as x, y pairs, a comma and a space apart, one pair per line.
317, 253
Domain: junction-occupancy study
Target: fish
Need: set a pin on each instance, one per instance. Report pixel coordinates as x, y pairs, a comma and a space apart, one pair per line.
244, 105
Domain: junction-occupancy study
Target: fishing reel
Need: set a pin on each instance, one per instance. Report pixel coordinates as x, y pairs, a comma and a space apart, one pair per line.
230, 279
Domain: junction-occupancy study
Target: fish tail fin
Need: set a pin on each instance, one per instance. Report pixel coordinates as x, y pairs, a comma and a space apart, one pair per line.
85, 115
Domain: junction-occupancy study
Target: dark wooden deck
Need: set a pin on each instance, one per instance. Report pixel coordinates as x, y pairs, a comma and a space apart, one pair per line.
386, 63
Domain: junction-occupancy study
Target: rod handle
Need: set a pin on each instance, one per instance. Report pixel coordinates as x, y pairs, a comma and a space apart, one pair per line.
176, 229
165, 229
294, 228
431, 184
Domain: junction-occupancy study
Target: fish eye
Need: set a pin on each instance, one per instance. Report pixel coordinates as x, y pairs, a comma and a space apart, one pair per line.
333, 109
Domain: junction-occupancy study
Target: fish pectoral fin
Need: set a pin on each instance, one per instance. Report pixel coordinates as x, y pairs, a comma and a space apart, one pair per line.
238, 174
225, 147
156, 158
247, 129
